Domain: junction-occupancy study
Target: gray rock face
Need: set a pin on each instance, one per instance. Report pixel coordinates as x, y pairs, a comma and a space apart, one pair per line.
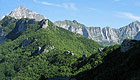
103, 35
23, 12
69, 52
130, 30
46, 50
137, 37
100, 50
51, 47
39, 50
2, 39
6, 21
22, 25
2, 35
44, 23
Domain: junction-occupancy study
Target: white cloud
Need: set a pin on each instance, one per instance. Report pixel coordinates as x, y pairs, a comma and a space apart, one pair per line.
69, 5
50, 4
129, 15
63, 5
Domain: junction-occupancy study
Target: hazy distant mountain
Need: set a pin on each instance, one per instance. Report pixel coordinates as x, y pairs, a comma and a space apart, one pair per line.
23, 12
106, 35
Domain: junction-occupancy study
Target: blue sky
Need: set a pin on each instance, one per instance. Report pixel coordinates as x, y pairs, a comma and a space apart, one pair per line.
96, 13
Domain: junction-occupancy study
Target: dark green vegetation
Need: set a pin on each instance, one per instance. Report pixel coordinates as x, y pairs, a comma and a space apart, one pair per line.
116, 65
25, 62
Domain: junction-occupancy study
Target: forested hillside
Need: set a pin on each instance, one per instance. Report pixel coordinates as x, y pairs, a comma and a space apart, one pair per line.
117, 65
30, 51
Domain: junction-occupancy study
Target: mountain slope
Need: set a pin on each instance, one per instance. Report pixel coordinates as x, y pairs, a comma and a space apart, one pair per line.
137, 37
106, 35
18, 13
117, 65
35, 48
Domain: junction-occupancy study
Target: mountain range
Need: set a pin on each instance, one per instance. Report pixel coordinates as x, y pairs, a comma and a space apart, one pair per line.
34, 48
106, 35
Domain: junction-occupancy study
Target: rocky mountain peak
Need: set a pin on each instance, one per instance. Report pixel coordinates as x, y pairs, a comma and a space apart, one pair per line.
74, 21
23, 12
135, 23
21, 8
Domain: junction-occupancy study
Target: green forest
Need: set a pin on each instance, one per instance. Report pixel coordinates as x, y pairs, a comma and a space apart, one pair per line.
20, 62
35, 53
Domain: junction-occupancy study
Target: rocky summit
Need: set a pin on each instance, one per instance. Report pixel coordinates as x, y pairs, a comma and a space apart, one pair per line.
106, 35
23, 12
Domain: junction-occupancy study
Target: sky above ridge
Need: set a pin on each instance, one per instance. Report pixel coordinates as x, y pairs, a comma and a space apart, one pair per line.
96, 13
